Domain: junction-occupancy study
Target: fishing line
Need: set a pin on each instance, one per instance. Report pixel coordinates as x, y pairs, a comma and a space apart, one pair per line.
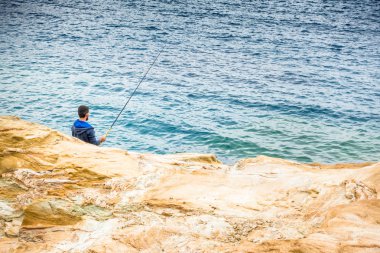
141, 80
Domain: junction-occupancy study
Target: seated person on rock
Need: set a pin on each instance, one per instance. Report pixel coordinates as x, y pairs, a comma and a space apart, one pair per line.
82, 130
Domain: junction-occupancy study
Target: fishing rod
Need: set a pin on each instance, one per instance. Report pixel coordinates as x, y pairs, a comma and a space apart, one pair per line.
141, 80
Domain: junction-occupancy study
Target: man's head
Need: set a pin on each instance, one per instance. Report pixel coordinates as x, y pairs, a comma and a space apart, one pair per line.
83, 112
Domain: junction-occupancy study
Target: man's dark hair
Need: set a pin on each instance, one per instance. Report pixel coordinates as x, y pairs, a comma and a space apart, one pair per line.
82, 110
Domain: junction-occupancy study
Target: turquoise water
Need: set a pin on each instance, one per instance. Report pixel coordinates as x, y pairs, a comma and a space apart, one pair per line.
298, 80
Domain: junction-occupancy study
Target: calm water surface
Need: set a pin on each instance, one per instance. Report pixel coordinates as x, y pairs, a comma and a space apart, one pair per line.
293, 79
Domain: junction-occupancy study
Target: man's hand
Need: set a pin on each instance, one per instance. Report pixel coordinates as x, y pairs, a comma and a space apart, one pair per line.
102, 138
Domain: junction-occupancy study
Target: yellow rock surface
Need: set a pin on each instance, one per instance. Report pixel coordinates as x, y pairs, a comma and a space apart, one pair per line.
58, 194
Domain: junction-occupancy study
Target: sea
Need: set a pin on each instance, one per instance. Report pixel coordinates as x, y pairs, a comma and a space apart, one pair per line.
294, 79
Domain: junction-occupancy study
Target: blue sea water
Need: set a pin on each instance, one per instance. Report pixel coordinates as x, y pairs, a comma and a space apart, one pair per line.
298, 80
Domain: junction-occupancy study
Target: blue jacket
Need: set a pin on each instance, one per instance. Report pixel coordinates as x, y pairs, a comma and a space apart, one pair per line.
84, 131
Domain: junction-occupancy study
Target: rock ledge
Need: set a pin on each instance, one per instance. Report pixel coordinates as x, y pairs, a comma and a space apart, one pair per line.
58, 194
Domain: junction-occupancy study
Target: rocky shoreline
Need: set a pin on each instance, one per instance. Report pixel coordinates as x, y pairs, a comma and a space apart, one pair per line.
58, 194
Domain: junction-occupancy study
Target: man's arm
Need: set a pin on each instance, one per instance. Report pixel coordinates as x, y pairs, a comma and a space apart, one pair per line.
92, 138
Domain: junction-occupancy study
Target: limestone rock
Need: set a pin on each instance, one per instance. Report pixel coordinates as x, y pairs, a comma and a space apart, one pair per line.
58, 194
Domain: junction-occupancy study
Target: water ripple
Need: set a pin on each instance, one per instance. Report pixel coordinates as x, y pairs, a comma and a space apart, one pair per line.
297, 80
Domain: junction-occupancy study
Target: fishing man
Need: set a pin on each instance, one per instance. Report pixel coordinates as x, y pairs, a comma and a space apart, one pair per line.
82, 130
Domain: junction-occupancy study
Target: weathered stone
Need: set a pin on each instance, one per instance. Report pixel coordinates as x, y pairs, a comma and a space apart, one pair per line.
58, 194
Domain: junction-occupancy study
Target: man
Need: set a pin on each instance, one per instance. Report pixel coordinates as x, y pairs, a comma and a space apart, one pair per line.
83, 130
